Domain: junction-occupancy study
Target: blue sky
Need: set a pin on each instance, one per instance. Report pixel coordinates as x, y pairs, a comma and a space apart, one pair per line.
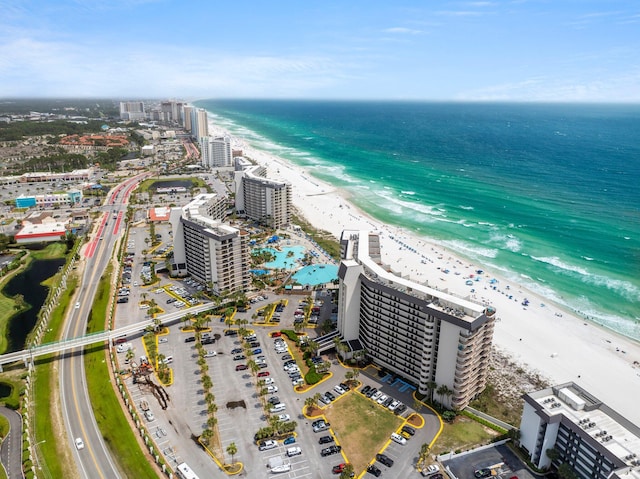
517, 50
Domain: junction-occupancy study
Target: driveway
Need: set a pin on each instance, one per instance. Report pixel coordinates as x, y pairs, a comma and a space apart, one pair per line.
11, 451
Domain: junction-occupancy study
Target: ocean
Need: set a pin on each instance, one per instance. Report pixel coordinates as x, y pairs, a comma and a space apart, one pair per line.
545, 195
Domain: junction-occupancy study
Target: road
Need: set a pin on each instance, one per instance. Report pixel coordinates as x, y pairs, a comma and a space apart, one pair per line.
11, 452
94, 460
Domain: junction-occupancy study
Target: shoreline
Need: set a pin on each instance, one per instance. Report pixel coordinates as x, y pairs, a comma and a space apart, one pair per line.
543, 336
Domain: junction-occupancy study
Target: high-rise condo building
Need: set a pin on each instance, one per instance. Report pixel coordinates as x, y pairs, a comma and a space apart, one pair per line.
215, 254
424, 335
260, 199
132, 110
187, 111
199, 124
216, 151
565, 424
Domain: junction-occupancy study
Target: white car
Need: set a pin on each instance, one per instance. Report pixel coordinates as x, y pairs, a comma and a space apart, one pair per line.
266, 445
284, 417
77, 304
432, 469
394, 405
338, 389
79, 443
268, 381
398, 438
382, 399
210, 354
272, 389
149, 415
376, 396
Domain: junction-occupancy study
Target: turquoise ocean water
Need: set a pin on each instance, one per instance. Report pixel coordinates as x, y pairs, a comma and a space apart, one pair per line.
545, 195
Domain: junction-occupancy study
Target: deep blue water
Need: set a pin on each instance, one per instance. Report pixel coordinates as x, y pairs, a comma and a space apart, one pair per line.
547, 195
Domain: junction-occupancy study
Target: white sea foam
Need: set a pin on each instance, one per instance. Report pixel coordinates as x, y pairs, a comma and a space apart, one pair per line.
408, 192
465, 207
559, 264
508, 242
470, 250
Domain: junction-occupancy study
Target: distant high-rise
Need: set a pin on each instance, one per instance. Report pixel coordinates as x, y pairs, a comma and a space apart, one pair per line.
216, 151
199, 124
171, 111
132, 110
187, 111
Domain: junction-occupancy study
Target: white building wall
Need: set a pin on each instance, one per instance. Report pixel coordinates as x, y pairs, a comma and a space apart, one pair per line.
529, 427
179, 252
349, 302
447, 354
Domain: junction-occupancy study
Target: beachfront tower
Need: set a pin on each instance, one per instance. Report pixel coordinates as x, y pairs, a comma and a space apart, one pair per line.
584, 434
261, 199
215, 254
132, 110
216, 151
415, 332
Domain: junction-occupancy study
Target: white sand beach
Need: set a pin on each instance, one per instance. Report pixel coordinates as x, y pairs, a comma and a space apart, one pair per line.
540, 336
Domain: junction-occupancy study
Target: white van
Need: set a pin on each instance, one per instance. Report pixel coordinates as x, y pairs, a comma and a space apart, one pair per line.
294, 451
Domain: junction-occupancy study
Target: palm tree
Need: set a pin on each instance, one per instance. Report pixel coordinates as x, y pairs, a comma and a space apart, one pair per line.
316, 397
253, 367
310, 403
423, 456
431, 386
313, 346
232, 450
206, 436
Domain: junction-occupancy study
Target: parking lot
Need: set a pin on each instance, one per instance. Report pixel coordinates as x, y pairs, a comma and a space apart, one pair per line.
500, 458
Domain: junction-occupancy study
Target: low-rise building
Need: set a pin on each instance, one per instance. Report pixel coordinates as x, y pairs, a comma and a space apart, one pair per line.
566, 425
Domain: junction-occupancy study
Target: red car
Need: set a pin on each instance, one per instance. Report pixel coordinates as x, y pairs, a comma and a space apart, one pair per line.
241, 367
276, 334
262, 374
339, 469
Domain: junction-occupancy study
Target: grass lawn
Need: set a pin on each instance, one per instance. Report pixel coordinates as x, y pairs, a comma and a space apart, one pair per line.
463, 434
109, 415
361, 427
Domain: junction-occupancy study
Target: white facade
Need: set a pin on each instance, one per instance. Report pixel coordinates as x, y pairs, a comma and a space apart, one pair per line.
419, 333
587, 435
216, 151
132, 110
215, 254
199, 123
260, 199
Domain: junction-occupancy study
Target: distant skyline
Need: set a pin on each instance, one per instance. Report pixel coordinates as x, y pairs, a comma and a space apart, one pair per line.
517, 50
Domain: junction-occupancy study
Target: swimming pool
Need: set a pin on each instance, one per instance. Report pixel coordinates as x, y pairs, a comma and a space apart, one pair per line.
282, 258
316, 274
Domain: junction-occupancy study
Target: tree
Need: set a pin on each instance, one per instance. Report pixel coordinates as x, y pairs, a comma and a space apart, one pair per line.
431, 387
423, 456
232, 450
565, 471
19, 302
347, 471
312, 346
310, 403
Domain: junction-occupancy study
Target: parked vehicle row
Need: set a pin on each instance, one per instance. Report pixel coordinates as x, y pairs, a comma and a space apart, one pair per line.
378, 396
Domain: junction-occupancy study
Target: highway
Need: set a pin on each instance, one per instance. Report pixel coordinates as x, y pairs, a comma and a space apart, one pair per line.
94, 460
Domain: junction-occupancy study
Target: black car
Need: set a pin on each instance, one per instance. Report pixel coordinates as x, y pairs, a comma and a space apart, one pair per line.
274, 400
208, 341
325, 439
344, 386
409, 430
480, 473
236, 350
254, 344
374, 470
371, 392
231, 332
190, 339
384, 459
365, 390
330, 396
387, 402
400, 409
328, 451
239, 357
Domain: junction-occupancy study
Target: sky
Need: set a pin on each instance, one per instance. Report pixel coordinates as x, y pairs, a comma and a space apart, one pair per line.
512, 50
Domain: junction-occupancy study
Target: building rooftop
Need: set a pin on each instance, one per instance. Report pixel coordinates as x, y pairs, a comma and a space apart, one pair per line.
365, 249
605, 426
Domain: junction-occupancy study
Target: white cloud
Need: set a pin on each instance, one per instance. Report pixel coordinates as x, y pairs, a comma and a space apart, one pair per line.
402, 30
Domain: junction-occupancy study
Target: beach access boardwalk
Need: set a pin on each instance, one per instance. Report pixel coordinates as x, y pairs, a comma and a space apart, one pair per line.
28, 355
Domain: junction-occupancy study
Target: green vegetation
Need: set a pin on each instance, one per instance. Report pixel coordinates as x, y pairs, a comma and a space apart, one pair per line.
55, 457
491, 403
12, 401
90, 108
324, 239
18, 130
362, 427
4, 427
463, 434
111, 420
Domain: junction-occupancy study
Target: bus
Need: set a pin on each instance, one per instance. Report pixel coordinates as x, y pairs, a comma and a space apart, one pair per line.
184, 472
